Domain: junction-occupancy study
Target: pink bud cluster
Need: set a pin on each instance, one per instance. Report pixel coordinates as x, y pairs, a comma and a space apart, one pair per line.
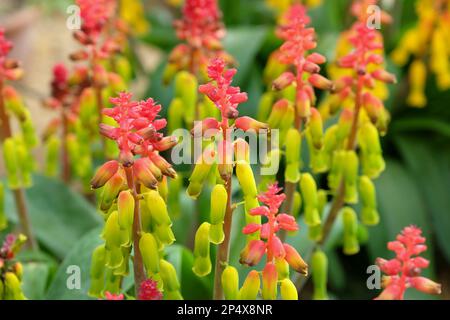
112, 296
226, 97
202, 30
6, 252
366, 62
403, 271
138, 126
298, 40
269, 243
9, 68
200, 25
149, 290
95, 14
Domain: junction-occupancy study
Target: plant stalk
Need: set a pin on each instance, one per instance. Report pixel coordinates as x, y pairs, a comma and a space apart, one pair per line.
19, 194
138, 265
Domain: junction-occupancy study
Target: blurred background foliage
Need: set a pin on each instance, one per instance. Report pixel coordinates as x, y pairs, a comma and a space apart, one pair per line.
414, 189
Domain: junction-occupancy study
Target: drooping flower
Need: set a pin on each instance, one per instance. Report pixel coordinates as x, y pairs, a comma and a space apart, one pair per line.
149, 290
403, 271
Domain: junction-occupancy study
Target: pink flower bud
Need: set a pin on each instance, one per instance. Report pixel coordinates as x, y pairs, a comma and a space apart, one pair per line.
166, 143
316, 58
283, 81
311, 67
276, 247
143, 173
295, 260
269, 282
251, 228
287, 222
384, 76
104, 173
247, 123
320, 82
209, 125
425, 285
253, 253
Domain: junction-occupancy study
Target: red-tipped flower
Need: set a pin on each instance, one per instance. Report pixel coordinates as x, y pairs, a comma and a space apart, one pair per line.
404, 270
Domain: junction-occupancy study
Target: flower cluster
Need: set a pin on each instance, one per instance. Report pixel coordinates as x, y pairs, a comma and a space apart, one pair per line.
95, 15
427, 41
16, 146
403, 271
11, 270
9, 68
131, 199
269, 244
149, 291
202, 30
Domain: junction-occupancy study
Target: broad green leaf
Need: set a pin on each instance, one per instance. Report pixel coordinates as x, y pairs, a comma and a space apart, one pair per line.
35, 280
429, 162
59, 216
79, 256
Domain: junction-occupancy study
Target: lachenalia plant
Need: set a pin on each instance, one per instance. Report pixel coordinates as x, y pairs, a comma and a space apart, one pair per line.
11, 270
425, 49
200, 31
219, 156
348, 151
79, 96
132, 197
16, 146
280, 257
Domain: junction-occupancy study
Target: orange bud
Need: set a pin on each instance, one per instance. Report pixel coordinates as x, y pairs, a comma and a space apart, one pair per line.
384, 76
247, 123
320, 82
303, 104
269, 282
209, 125
166, 143
425, 285
295, 260
79, 55
283, 81
104, 173
253, 253
163, 165
141, 171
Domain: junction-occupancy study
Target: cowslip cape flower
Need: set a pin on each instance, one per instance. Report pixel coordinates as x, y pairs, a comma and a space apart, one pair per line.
403, 271
270, 245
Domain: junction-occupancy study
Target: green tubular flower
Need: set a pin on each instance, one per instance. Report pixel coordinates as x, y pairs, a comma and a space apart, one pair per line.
308, 188
369, 213
350, 221
219, 198
251, 286
319, 264
230, 283
202, 262
288, 290
293, 149
53, 146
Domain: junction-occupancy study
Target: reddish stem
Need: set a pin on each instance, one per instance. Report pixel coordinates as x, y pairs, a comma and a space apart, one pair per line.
138, 265
224, 248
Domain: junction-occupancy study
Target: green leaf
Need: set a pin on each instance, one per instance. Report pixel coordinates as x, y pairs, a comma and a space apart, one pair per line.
80, 256
59, 216
244, 43
429, 162
35, 279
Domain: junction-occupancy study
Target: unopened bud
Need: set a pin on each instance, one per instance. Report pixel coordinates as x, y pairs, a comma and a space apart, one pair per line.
246, 179
219, 198
319, 265
293, 149
316, 128
295, 260
384, 76
202, 261
279, 109
125, 208
169, 276
251, 286
253, 252
350, 221
283, 81
148, 247
230, 283
247, 123
10, 158
104, 174
320, 82
288, 290
425, 285
369, 214
308, 188
351, 166
269, 282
